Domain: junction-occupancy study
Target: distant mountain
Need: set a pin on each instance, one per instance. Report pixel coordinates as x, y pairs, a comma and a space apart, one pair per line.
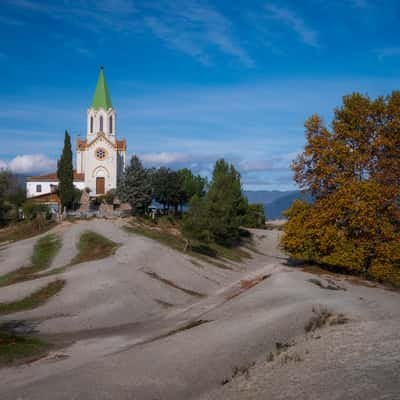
275, 201
266, 196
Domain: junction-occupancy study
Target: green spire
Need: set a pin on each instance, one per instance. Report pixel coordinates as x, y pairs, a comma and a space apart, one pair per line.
101, 98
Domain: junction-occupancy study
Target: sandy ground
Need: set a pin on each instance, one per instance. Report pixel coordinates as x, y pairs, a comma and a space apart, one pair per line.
123, 326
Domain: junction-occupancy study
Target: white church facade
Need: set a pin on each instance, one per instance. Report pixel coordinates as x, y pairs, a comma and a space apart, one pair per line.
100, 156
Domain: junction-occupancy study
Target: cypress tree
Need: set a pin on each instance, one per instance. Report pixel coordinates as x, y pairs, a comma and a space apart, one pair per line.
65, 174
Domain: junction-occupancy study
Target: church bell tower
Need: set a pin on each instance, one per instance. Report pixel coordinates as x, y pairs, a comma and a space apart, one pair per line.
101, 156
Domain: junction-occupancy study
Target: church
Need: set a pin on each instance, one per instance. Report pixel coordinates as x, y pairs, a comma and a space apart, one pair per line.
100, 156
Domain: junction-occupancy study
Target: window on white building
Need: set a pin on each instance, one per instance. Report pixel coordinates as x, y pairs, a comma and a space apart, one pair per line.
91, 124
101, 123
111, 124
38, 188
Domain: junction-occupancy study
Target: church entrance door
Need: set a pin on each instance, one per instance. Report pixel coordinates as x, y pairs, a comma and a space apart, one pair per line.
100, 185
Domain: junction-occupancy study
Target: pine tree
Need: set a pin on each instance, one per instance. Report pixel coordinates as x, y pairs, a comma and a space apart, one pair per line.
226, 204
135, 187
65, 174
196, 223
190, 186
217, 217
167, 187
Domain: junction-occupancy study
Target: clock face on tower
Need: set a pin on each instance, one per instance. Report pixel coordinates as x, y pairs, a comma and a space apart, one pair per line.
100, 153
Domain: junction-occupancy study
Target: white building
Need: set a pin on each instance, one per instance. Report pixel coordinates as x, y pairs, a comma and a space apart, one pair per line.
100, 157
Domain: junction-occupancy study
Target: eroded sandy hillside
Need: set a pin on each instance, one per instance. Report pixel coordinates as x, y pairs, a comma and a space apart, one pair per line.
153, 323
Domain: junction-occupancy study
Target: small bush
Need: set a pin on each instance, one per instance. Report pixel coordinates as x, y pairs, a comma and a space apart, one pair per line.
109, 196
321, 317
255, 216
32, 210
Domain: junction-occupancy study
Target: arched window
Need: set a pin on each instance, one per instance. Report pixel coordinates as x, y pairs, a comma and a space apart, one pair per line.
91, 124
101, 123
111, 124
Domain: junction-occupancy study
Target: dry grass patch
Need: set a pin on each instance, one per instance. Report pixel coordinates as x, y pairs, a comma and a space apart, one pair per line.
25, 230
287, 357
186, 327
247, 284
321, 317
330, 286
183, 328
173, 284
93, 246
239, 371
163, 303
34, 300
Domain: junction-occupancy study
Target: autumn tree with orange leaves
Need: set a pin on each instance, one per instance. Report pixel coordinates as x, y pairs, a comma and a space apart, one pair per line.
353, 172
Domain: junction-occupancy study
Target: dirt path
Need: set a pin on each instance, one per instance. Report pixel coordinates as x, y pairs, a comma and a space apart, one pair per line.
138, 337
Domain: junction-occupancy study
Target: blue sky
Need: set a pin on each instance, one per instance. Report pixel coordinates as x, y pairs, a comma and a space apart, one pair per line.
191, 80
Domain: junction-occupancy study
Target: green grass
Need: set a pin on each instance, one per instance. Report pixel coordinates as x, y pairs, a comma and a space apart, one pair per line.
93, 246
230, 253
44, 252
170, 236
161, 236
34, 300
15, 348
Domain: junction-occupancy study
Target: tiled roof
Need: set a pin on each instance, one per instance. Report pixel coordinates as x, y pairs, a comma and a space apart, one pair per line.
121, 144
52, 177
81, 144
46, 198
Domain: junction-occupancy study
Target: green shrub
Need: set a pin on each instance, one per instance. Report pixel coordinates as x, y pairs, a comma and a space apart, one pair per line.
31, 210
255, 216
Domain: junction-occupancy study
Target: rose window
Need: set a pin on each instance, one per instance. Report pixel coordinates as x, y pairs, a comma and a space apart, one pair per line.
101, 154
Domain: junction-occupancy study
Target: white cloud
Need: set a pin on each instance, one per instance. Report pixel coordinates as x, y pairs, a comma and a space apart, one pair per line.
195, 29
256, 165
29, 163
190, 27
198, 163
92, 15
294, 22
165, 158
